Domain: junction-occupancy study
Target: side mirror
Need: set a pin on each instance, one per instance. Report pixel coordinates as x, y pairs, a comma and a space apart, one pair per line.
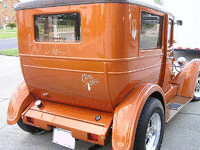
179, 22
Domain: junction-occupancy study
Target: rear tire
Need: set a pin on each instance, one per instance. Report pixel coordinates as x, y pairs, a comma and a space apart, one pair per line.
27, 127
197, 90
150, 128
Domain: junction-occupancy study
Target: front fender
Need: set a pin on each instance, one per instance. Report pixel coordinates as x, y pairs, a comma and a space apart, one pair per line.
187, 78
127, 113
18, 102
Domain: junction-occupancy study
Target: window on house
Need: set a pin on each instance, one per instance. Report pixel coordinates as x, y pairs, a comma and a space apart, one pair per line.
5, 6
169, 35
151, 31
6, 18
58, 28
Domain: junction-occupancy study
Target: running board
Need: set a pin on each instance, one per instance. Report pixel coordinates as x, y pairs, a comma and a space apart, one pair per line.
175, 105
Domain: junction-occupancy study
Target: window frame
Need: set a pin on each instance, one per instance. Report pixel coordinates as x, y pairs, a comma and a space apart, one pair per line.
150, 51
171, 33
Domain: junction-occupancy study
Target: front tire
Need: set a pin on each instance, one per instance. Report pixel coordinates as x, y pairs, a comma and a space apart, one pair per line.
27, 127
150, 128
197, 90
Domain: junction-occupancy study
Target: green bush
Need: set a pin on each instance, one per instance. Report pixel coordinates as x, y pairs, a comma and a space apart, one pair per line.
11, 25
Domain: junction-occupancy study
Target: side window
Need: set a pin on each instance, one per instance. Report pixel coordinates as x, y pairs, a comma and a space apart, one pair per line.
58, 28
151, 31
5, 6
6, 18
169, 35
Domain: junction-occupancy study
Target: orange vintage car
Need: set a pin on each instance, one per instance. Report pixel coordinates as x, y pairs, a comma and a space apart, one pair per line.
95, 66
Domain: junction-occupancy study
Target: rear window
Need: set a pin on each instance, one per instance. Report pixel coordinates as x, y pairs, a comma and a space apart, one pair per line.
151, 31
58, 28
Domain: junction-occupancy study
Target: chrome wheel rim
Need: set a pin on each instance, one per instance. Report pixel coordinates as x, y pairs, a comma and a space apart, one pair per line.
197, 89
153, 132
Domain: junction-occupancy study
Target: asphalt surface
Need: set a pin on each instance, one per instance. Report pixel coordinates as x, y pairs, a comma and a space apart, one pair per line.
181, 133
10, 43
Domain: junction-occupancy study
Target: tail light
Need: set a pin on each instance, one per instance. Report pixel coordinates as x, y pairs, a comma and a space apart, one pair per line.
30, 120
93, 137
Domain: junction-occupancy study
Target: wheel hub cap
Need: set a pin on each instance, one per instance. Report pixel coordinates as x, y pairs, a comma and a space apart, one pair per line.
197, 89
153, 132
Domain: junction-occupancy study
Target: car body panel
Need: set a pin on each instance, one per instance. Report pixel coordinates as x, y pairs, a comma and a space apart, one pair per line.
105, 72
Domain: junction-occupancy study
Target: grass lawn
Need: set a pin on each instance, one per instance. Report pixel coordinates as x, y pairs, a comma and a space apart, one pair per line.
7, 35
9, 30
10, 52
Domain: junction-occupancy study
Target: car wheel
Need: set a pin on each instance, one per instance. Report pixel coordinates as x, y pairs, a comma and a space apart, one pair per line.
150, 126
197, 90
28, 128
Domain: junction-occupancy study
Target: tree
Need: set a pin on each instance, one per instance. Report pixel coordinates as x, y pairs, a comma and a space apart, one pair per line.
158, 2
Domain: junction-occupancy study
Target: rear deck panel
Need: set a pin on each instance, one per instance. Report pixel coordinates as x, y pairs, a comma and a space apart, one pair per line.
79, 121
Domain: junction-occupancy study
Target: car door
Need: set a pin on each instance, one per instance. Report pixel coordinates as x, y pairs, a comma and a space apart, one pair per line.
152, 44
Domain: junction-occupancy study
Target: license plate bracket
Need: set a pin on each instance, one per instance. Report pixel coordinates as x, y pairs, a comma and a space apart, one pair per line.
64, 138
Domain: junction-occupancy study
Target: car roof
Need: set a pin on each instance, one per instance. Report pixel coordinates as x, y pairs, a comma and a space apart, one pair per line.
55, 3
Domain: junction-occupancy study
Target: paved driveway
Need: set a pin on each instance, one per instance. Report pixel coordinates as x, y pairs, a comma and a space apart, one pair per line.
10, 43
181, 133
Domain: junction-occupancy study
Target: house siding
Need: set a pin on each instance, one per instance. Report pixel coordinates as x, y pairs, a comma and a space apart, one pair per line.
8, 13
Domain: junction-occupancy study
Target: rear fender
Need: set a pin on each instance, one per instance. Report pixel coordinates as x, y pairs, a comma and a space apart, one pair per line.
18, 102
187, 78
127, 113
